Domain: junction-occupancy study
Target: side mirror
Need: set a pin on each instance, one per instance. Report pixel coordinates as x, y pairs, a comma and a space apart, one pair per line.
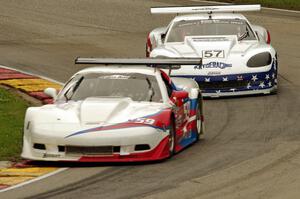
51, 92
180, 94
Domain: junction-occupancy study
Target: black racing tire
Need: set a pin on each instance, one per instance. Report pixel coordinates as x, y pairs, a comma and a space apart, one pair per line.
274, 91
200, 124
146, 51
172, 137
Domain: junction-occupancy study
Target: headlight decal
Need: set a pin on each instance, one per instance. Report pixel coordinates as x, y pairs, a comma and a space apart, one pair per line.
260, 60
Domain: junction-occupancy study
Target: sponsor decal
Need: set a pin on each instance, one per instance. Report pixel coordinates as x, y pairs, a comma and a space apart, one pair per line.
114, 77
205, 39
212, 73
220, 65
205, 8
240, 78
49, 155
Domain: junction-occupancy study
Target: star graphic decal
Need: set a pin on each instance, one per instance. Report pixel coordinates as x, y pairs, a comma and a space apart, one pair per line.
270, 84
262, 85
248, 85
267, 77
273, 76
225, 79
207, 79
233, 89
254, 78
218, 91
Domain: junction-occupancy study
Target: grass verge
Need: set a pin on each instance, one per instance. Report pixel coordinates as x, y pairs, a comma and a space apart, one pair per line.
283, 4
12, 111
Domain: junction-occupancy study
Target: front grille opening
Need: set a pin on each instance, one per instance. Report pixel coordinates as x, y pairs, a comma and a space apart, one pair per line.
141, 147
222, 85
39, 146
90, 150
61, 148
116, 149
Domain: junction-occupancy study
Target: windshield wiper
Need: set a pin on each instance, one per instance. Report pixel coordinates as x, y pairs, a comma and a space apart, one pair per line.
65, 94
76, 86
244, 35
73, 89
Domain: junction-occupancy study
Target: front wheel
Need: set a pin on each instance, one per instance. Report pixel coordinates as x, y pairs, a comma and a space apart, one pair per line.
199, 122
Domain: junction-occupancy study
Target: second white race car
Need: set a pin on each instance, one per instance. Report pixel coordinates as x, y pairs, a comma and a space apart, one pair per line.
237, 56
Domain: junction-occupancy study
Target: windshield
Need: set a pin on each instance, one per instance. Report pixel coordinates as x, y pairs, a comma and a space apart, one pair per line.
209, 27
136, 86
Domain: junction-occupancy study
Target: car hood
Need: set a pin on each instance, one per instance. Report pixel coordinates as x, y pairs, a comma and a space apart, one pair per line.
195, 46
94, 111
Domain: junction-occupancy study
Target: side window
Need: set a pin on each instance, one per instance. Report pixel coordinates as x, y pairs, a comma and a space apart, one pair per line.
168, 85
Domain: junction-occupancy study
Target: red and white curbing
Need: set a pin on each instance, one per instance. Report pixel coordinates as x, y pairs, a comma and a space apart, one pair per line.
27, 83
22, 173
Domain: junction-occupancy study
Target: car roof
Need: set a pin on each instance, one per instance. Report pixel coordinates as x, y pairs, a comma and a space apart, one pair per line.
120, 69
206, 16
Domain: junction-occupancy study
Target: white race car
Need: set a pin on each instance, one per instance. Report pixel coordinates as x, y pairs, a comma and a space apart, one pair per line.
237, 56
129, 110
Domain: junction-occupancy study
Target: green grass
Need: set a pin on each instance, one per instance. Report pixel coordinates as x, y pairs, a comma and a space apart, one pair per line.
284, 4
12, 111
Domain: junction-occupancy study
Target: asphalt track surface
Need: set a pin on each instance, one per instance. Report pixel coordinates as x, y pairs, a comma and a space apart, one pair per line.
252, 144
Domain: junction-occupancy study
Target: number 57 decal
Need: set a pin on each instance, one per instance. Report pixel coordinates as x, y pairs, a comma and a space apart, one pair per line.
213, 54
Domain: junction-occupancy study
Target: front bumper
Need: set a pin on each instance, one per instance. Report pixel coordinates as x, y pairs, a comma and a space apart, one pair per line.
133, 144
238, 84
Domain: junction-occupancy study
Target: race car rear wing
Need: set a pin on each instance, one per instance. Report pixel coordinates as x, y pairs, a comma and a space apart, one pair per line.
169, 63
204, 9
152, 62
